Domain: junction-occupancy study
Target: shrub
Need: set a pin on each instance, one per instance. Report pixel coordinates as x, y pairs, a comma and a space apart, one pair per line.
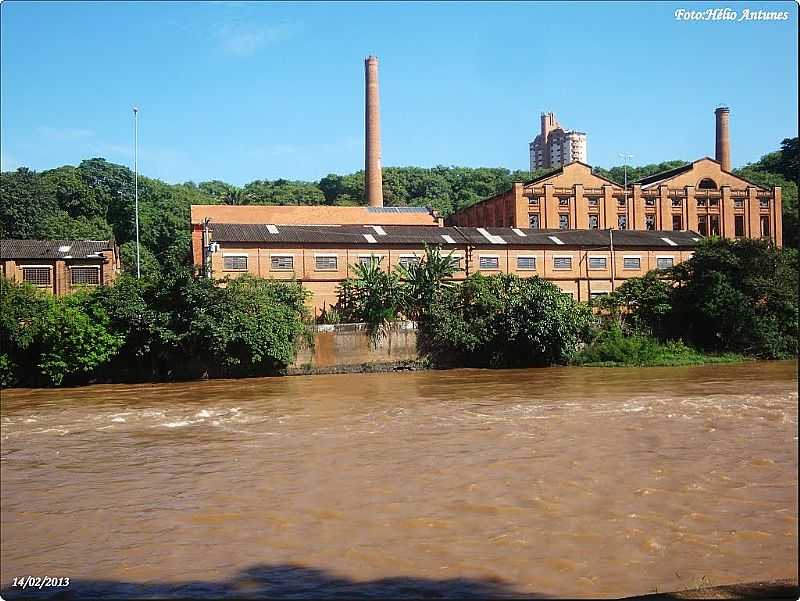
503, 321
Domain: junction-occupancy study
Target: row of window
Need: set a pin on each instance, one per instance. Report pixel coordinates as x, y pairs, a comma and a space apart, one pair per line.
524, 263
707, 225
321, 262
42, 275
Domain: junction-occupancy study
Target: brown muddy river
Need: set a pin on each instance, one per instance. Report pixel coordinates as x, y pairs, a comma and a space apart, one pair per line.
550, 482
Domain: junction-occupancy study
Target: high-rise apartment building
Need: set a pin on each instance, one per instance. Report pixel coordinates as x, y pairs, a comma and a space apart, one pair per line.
554, 146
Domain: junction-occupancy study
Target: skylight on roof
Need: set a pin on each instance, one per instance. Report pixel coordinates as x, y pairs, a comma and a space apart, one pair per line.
668, 241
556, 239
272, 229
518, 232
64, 249
378, 230
448, 239
370, 238
490, 237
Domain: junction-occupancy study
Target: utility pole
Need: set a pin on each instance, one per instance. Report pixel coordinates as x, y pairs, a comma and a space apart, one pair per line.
625, 156
136, 185
613, 267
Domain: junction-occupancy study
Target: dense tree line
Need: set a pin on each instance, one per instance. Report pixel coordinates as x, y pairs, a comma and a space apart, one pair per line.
95, 199
171, 326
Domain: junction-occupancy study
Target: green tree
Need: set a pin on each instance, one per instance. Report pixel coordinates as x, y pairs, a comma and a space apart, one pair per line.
738, 296
504, 321
373, 296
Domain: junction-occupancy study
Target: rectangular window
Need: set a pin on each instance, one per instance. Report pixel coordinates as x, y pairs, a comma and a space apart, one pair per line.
664, 262
38, 276
562, 262
326, 263
563, 222
677, 223
702, 225
408, 260
713, 202
650, 222
599, 294
713, 225
622, 222
234, 263
677, 202
526, 263
631, 263
738, 226
281, 262
563, 202
594, 201
533, 221
701, 202
597, 263
455, 262
621, 202
367, 259
594, 222
765, 226
534, 200
764, 203
489, 263
85, 276
649, 202
738, 203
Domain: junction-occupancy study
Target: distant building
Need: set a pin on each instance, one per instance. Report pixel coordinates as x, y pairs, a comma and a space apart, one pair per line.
700, 197
59, 266
554, 146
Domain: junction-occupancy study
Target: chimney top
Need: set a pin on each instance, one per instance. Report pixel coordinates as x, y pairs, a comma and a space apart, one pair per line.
722, 109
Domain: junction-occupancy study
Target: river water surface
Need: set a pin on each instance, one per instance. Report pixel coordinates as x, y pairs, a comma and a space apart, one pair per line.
552, 482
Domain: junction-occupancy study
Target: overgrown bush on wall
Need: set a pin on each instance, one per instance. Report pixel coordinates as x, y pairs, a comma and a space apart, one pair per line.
503, 321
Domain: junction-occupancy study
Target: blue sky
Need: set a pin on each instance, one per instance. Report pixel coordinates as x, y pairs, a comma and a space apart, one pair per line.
241, 91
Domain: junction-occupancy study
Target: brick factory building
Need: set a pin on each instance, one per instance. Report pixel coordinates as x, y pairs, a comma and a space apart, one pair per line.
581, 263
700, 197
59, 266
554, 146
703, 196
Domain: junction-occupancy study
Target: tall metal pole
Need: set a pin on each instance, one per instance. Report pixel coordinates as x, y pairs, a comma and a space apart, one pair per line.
625, 156
613, 266
136, 185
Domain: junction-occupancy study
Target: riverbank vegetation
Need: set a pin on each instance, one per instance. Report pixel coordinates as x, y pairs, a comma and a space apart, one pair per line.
171, 326
732, 300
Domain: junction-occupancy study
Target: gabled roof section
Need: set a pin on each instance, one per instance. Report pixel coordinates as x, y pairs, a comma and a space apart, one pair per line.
53, 249
664, 175
658, 179
560, 171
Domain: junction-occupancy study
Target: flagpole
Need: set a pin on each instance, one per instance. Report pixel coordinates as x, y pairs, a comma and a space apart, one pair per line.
136, 184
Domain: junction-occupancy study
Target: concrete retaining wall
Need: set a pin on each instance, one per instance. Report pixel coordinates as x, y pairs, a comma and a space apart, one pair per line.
347, 346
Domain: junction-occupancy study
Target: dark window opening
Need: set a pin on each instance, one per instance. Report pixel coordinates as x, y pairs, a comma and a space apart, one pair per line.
594, 222
702, 225
622, 222
714, 225
738, 226
677, 223
563, 222
707, 184
533, 222
765, 227
650, 222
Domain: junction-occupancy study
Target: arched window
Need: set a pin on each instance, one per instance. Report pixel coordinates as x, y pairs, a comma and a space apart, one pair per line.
707, 184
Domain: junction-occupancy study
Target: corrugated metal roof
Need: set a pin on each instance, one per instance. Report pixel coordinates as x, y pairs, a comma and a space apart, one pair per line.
52, 249
353, 235
398, 210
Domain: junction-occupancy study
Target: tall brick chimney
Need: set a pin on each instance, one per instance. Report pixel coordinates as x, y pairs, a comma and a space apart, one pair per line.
723, 154
373, 179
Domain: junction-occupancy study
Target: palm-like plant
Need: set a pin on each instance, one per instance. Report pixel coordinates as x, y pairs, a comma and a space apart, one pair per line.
427, 279
372, 295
